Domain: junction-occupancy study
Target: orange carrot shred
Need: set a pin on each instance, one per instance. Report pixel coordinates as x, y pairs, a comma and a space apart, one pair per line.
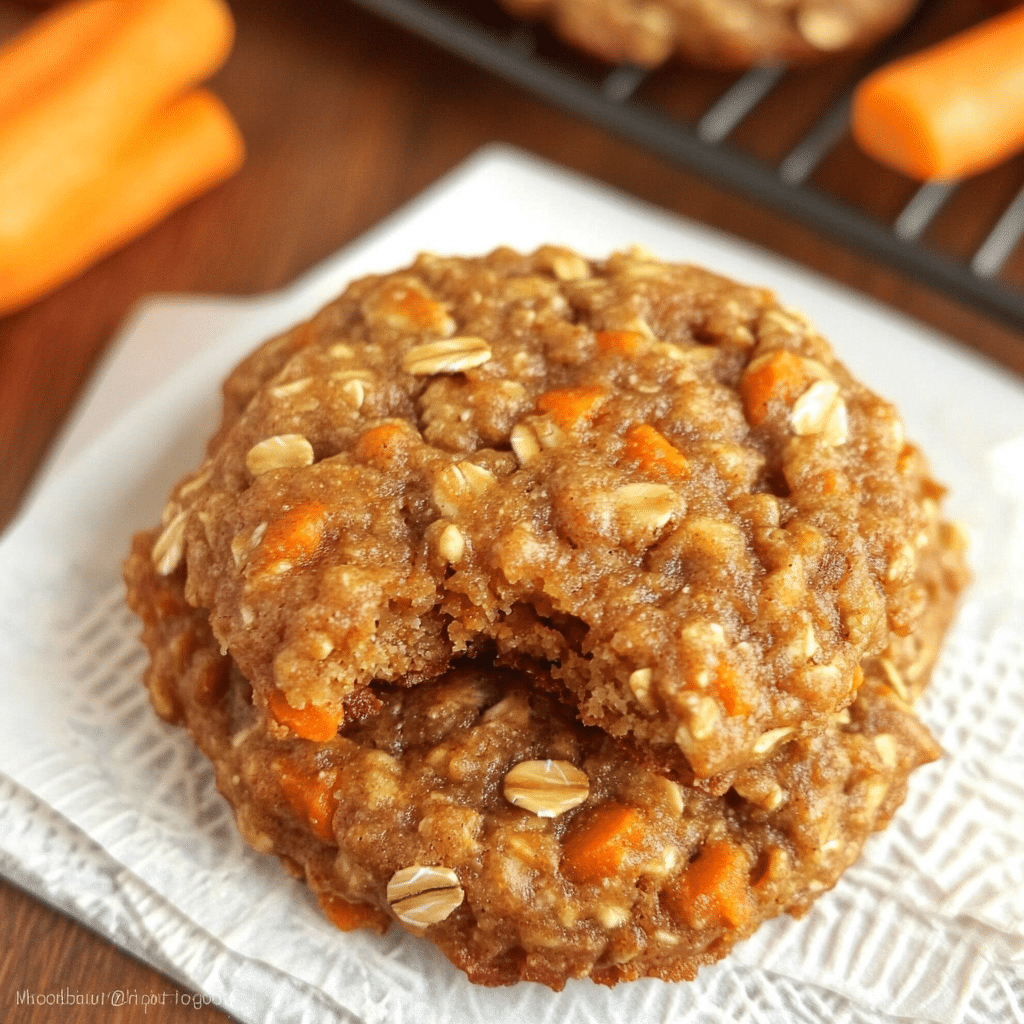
292, 538
731, 691
569, 406
779, 376
715, 888
951, 110
626, 343
419, 310
598, 844
312, 722
378, 446
311, 797
655, 453
350, 916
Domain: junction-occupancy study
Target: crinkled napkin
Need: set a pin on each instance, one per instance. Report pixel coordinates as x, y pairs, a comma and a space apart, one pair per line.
113, 816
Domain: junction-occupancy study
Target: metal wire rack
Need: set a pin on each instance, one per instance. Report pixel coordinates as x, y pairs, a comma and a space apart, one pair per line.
702, 121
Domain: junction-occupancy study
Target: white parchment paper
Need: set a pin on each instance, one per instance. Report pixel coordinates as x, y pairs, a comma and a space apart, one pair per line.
112, 815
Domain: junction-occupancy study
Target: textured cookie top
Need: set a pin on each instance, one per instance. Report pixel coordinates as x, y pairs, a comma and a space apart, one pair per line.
657, 483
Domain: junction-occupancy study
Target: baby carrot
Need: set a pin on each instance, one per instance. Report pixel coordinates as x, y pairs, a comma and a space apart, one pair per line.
625, 343
188, 148
33, 61
732, 691
53, 143
952, 110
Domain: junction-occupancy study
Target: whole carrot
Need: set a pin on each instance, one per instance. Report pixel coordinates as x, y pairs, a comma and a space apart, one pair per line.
949, 111
33, 61
53, 142
187, 148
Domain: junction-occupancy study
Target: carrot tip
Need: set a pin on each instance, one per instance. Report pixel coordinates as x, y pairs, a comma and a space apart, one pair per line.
893, 130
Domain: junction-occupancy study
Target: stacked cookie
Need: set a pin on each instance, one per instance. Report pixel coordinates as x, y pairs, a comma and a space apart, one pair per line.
568, 613
718, 34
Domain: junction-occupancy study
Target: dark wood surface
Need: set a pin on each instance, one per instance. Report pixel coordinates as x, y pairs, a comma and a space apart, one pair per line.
345, 119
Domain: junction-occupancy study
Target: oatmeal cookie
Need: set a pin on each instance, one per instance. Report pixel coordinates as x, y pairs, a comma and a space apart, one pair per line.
720, 34
657, 484
475, 810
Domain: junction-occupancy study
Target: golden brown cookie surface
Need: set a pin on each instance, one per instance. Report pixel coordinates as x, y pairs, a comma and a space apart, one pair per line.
658, 482
568, 612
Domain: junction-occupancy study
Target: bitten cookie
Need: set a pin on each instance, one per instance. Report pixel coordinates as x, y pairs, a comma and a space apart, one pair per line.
656, 481
475, 811
568, 612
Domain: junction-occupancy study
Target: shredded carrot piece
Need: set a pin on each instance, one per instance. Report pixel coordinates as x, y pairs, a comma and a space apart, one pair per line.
598, 844
715, 888
349, 916
293, 538
829, 483
418, 310
569, 406
779, 376
625, 343
378, 446
733, 694
655, 453
311, 797
312, 722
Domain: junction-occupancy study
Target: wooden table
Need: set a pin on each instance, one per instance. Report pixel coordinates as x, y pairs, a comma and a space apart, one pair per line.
345, 118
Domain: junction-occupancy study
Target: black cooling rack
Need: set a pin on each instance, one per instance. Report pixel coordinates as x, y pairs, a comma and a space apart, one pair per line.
701, 120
